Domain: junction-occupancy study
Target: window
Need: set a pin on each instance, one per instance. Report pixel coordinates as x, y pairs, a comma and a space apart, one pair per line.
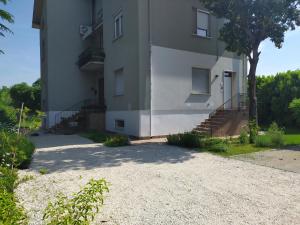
119, 82
202, 24
200, 81
118, 26
119, 124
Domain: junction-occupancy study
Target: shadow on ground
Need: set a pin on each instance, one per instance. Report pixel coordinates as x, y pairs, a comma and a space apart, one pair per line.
61, 153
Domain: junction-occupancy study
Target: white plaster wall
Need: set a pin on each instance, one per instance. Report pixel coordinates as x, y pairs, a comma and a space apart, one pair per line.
165, 124
174, 108
137, 123
54, 117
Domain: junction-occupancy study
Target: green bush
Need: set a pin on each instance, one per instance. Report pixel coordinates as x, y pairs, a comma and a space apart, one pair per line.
15, 150
187, 140
10, 212
243, 138
295, 109
96, 136
116, 141
263, 141
81, 209
276, 135
8, 179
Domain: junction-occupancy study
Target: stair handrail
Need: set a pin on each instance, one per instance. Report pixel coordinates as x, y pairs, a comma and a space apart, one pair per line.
76, 107
238, 96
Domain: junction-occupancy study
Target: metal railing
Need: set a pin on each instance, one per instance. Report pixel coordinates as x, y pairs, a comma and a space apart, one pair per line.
237, 102
91, 54
87, 105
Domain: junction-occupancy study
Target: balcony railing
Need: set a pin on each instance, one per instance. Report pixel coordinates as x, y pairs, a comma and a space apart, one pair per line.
92, 59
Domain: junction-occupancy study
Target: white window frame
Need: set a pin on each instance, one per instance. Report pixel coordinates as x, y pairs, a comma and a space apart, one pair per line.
208, 82
118, 25
206, 32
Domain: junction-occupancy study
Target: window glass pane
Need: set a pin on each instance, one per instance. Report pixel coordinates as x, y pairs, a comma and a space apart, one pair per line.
119, 82
200, 81
202, 32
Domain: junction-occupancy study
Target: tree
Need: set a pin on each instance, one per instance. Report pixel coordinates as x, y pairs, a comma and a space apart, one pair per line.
5, 16
247, 24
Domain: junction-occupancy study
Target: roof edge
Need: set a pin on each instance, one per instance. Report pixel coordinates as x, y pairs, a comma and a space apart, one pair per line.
37, 14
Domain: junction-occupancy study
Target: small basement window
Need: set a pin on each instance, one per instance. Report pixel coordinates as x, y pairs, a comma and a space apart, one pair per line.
119, 124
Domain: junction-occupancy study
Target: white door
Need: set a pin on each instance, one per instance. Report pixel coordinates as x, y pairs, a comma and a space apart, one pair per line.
227, 90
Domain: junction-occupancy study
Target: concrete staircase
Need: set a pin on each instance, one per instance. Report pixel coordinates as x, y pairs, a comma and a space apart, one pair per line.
224, 123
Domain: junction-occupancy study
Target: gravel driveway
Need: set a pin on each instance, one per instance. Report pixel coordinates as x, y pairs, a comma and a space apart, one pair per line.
159, 184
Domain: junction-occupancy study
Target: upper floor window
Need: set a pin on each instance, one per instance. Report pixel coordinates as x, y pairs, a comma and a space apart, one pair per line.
118, 25
202, 23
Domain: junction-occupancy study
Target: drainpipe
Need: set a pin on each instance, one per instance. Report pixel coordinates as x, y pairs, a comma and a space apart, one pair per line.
150, 45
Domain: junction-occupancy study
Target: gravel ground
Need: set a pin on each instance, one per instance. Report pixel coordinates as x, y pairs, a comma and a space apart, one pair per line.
160, 184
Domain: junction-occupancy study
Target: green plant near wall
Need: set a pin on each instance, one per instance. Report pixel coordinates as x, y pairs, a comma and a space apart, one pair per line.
81, 209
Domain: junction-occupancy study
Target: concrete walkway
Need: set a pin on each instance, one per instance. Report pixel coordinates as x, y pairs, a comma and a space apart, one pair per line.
159, 184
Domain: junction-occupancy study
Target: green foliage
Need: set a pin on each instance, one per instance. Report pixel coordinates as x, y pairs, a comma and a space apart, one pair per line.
263, 141
15, 150
249, 22
8, 179
116, 141
43, 171
81, 209
275, 94
200, 141
295, 108
253, 130
273, 138
10, 212
29, 95
276, 135
96, 136
7, 17
187, 140
243, 138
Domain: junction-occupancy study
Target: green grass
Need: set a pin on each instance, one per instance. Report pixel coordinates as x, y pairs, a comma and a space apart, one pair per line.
96, 136
238, 149
291, 139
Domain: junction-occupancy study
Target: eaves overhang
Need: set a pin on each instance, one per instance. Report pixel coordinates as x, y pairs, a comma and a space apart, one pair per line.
37, 14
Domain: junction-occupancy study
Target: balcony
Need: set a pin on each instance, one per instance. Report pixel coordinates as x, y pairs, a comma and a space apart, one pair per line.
92, 59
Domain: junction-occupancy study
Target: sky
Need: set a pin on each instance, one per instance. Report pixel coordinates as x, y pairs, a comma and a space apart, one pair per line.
20, 63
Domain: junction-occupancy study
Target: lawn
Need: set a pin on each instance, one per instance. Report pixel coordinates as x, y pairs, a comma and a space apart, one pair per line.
291, 139
96, 136
238, 149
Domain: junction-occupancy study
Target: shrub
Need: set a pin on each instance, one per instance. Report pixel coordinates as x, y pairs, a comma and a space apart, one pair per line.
263, 141
276, 135
96, 136
15, 150
215, 145
253, 129
116, 141
81, 208
295, 109
187, 140
243, 138
10, 212
8, 179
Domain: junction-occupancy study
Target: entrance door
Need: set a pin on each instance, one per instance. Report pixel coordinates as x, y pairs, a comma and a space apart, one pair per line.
227, 90
101, 93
